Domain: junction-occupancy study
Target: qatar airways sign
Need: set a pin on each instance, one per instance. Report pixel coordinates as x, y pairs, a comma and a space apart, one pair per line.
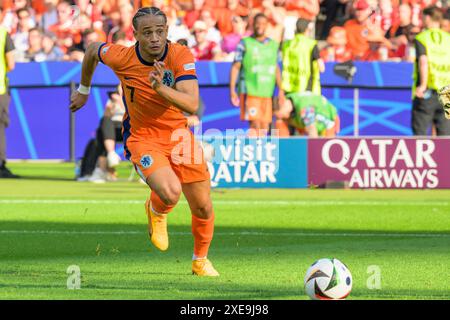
411, 163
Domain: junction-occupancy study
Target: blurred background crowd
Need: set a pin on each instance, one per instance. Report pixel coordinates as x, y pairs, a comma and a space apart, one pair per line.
367, 30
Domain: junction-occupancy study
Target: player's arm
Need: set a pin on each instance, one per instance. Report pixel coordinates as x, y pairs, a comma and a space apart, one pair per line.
90, 61
422, 64
284, 110
281, 96
315, 56
185, 96
234, 74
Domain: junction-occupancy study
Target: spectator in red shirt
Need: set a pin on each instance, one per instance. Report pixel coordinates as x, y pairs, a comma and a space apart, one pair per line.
126, 17
378, 46
194, 14
224, 15
204, 49
306, 9
65, 31
216, 3
336, 49
357, 29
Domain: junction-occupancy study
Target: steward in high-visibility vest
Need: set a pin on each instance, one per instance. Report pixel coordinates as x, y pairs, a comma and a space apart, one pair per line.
431, 72
301, 62
6, 64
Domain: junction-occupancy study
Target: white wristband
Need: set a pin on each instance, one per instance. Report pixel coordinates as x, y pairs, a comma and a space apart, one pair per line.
84, 90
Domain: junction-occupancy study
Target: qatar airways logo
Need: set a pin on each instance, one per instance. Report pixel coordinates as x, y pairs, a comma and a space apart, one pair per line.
383, 163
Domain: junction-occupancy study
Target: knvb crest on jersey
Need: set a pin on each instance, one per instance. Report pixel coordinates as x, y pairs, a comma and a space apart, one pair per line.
168, 79
146, 161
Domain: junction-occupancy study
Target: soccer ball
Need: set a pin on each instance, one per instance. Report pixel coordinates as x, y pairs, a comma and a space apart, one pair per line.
328, 279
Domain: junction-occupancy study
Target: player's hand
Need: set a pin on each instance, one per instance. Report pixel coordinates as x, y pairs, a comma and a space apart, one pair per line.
444, 99
420, 92
234, 99
156, 76
77, 100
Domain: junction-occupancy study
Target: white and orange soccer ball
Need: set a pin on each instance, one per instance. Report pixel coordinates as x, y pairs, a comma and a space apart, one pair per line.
328, 279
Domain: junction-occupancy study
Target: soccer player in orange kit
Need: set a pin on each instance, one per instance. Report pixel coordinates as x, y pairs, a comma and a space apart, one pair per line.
159, 83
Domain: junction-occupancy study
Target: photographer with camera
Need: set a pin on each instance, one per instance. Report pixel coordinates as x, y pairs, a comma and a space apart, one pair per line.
100, 158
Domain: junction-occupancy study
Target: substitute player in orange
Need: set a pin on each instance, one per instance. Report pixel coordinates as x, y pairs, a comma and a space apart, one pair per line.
256, 69
159, 84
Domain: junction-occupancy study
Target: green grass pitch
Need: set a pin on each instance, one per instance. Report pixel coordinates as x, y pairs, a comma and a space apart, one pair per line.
264, 242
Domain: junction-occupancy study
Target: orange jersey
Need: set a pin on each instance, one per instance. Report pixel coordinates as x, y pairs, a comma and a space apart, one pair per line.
149, 117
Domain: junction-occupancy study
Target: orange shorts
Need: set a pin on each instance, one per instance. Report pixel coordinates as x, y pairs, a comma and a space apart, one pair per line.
256, 108
185, 159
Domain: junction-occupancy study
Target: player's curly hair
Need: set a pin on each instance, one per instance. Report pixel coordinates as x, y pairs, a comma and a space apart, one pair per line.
147, 11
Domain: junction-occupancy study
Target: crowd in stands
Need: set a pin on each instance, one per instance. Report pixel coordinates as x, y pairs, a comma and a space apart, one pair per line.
367, 30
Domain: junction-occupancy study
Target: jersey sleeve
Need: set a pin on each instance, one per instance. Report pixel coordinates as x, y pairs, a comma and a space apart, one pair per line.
184, 68
420, 48
240, 51
9, 46
315, 55
111, 54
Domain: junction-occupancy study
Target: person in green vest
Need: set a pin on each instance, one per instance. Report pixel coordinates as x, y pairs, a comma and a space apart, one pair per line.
431, 72
7, 64
302, 64
310, 114
256, 67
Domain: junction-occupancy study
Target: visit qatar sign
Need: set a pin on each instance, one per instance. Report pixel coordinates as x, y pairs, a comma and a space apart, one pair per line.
409, 163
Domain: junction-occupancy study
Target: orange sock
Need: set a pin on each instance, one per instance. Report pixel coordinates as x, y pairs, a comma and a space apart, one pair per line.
158, 205
203, 230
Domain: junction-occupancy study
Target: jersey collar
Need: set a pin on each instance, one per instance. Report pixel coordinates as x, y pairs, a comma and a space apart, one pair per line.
147, 63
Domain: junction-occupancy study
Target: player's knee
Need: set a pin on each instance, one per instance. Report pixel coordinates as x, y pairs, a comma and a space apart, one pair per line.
171, 194
203, 210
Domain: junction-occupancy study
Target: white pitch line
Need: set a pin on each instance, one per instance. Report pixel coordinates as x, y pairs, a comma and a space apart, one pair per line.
243, 233
236, 202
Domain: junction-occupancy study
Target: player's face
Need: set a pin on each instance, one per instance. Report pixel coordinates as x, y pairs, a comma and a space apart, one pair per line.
259, 26
152, 34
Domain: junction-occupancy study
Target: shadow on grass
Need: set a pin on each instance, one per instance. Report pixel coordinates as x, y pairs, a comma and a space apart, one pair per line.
43, 240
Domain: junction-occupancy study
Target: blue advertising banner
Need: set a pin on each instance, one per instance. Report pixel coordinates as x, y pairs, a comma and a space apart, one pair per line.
258, 163
40, 93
